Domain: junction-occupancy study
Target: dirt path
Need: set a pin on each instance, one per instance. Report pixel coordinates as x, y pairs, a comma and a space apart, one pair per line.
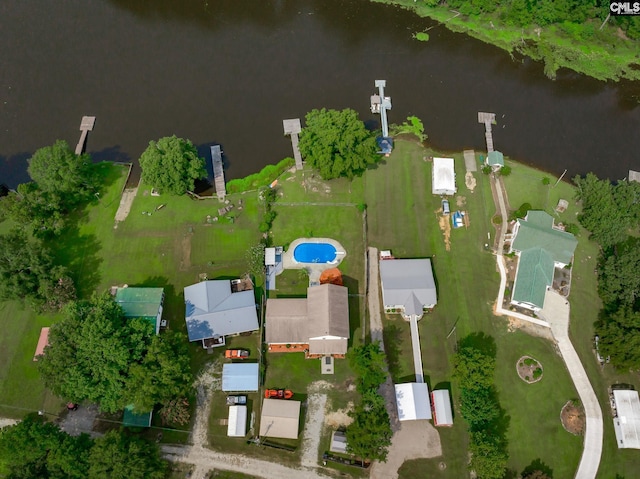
205, 460
126, 201
316, 407
445, 226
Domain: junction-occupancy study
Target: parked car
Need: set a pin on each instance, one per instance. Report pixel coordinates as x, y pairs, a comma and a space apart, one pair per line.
236, 354
445, 207
233, 400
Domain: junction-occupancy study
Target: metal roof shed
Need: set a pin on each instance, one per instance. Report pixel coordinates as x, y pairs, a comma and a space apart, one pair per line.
280, 418
145, 303
441, 403
237, 377
269, 256
237, 425
627, 421
443, 177
413, 401
133, 419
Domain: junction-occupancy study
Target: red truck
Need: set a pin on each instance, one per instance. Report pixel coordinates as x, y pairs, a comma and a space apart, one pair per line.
236, 354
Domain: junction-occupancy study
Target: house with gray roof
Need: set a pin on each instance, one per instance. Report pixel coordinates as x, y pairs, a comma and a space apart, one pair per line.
215, 309
408, 286
541, 248
317, 324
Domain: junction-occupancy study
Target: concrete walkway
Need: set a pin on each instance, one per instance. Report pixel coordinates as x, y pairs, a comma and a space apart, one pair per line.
417, 354
555, 315
556, 312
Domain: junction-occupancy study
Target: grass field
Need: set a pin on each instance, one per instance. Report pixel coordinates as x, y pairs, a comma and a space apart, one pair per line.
175, 244
585, 306
403, 218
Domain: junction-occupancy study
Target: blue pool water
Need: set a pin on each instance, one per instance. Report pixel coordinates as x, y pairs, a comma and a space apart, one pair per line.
314, 253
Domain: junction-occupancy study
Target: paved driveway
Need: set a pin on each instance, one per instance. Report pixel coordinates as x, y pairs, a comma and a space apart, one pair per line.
556, 312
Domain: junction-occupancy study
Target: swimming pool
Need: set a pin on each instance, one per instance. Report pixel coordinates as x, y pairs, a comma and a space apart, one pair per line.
315, 253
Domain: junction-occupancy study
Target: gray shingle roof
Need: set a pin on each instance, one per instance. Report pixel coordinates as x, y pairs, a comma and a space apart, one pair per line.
408, 282
213, 310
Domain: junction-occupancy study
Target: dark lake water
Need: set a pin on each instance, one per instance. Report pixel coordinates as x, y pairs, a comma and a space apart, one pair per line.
229, 71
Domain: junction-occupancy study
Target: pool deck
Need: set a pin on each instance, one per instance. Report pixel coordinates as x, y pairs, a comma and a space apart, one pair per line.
313, 269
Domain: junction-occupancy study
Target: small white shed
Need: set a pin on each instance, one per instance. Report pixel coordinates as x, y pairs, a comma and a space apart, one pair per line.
444, 177
237, 425
442, 413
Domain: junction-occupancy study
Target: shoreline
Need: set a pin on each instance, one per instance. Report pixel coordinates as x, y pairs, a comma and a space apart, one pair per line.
549, 45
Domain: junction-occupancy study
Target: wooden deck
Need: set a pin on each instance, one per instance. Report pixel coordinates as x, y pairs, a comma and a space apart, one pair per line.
634, 176
86, 125
488, 119
218, 172
292, 127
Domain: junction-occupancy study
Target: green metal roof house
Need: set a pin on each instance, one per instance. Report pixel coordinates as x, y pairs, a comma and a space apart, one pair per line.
145, 303
495, 159
541, 248
131, 419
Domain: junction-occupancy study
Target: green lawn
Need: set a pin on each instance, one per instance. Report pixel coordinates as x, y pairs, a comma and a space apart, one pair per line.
403, 218
585, 306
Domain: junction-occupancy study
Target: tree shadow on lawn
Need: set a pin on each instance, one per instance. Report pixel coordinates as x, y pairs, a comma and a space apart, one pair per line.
537, 465
392, 335
480, 341
79, 253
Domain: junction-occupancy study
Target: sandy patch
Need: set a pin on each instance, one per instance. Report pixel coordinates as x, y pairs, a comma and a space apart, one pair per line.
316, 406
470, 181
461, 201
126, 201
339, 418
445, 227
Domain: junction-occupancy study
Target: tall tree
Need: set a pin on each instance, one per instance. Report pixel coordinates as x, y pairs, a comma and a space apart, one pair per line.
163, 375
488, 456
369, 436
91, 351
27, 270
619, 334
35, 448
473, 368
40, 211
118, 456
58, 170
336, 143
608, 211
172, 164
368, 362
618, 278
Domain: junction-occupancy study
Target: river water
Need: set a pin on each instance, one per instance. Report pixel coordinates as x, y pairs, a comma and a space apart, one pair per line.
229, 71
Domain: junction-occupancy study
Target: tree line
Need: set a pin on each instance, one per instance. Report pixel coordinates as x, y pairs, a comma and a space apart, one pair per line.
611, 212
474, 368
369, 436
570, 15
36, 448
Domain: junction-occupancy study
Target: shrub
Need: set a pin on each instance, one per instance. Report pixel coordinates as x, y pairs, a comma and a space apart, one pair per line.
421, 36
505, 170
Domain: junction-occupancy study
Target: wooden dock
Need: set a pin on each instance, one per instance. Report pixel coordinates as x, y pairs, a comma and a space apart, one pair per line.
488, 119
86, 125
634, 176
292, 127
218, 172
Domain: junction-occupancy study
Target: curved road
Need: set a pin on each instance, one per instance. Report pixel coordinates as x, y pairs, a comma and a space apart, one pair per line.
556, 313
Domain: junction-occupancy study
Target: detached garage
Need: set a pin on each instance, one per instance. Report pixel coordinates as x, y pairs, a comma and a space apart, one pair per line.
444, 177
412, 400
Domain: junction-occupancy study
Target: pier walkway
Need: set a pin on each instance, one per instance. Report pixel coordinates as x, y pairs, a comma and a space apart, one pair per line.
218, 172
292, 127
86, 125
488, 119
